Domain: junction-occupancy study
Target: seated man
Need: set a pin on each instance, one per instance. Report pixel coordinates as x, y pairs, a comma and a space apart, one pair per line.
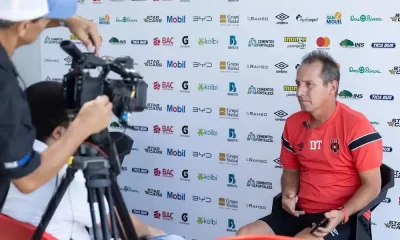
49, 116
331, 157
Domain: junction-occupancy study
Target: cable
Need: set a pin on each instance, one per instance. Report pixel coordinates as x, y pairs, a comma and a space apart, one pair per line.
97, 148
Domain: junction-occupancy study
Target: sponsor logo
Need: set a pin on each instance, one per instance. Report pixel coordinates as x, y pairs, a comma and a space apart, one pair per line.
381, 97
176, 196
176, 152
383, 45
282, 17
335, 19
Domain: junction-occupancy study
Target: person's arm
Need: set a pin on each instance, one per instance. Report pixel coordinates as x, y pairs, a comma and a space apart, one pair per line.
290, 176
366, 150
53, 158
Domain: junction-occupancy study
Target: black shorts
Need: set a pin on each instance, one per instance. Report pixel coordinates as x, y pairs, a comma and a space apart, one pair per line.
285, 224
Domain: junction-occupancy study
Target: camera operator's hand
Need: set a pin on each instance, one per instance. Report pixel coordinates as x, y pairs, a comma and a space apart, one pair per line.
86, 31
95, 115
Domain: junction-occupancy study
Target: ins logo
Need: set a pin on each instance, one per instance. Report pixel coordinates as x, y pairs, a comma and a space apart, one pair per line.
176, 153
177, 109
163, 215
176, 196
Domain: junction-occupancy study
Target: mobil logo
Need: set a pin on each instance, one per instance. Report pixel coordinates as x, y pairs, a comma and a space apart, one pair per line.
176, 152
176, 19
176, 64
177, 108
176, 196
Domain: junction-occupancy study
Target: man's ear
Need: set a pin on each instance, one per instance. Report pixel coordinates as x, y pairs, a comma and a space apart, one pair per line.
334, 87
22, 28
56, 133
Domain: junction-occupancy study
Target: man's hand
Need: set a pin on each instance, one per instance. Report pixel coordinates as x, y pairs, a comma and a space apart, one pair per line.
95, 115
335, 217
86, 31
289, 204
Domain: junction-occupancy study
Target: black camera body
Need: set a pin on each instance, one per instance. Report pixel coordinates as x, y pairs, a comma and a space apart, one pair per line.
128, 94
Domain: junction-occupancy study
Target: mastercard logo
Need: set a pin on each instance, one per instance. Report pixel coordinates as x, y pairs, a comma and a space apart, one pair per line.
323, 42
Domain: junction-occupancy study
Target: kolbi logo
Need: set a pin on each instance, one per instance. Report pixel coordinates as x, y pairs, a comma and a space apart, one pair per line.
176, 196
208, 221
207, 132
260, 91
231, 181
177, 19
259, 184
208, 177
381, 97
364, 70
163, 85
207, 87
207, 41
260, 138
164, 172
176, 152
229, 158
176, 64
176, 109
232, 135
383, 45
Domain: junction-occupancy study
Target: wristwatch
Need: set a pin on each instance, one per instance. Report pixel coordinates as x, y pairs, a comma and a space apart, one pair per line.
62, 23
345, 213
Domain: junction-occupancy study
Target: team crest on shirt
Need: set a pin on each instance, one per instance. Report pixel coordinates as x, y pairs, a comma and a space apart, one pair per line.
334, 145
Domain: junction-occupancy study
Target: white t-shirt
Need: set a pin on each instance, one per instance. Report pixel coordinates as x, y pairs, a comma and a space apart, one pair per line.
72, 214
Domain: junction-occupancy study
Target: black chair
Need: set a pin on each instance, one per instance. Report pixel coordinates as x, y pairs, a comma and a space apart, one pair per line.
358, 230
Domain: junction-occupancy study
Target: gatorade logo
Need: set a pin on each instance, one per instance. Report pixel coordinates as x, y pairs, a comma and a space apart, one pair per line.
323, 42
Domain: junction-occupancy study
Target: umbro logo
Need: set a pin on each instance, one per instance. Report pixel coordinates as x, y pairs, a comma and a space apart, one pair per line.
282, 17
281, 65
280, 113
278, 163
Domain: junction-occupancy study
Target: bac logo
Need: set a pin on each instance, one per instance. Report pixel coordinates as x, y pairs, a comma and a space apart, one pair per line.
163, 215
163, 129
164, 172
163, 85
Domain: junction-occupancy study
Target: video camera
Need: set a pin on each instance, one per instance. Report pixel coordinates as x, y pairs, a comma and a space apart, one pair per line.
128, 94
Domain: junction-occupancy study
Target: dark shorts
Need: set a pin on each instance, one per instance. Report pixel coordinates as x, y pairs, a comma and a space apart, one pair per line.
285, 224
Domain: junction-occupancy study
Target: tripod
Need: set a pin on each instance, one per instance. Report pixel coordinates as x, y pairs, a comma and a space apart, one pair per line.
101, 180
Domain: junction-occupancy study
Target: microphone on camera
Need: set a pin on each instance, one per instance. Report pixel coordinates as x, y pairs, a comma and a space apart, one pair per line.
306, 124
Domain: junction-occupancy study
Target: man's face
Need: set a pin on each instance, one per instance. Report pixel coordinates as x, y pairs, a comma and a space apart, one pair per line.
311, 91
28, 31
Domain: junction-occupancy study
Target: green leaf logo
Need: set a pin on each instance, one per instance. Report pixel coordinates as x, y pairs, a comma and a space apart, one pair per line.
200, 176
200, 132
199, 220
201, 41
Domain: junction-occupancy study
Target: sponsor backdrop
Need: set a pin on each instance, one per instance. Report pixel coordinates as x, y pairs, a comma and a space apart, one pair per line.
221, 78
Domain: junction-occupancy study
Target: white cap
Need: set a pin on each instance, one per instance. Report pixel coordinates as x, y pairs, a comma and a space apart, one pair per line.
23, 10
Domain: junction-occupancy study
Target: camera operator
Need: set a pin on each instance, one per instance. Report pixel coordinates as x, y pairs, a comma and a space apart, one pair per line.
21, 22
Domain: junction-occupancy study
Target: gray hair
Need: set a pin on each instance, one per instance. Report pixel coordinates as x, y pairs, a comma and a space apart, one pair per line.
5, 24
330, 68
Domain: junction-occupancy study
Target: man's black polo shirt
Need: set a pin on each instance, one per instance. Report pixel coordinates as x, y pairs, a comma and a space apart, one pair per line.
17, 134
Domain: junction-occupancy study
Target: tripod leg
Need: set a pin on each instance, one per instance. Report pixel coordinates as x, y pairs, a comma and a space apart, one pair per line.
113, 221
103, 215
122, 210
91, 195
